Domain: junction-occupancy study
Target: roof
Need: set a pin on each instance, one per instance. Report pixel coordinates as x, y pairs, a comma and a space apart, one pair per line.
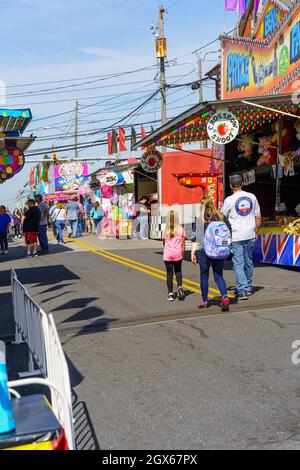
13, 122
201, 113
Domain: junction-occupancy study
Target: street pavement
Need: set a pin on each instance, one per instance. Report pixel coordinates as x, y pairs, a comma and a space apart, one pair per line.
148, 374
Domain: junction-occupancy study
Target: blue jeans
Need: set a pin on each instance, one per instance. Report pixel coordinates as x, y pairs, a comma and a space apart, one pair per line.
144, 227
218, 267
243, 264
43, 239
73, 227
60, 225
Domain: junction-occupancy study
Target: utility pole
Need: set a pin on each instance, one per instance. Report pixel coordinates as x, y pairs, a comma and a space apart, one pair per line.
161, 47
76, 129
200, 78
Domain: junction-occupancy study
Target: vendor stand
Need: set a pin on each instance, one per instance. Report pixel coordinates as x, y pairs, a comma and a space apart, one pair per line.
259, 73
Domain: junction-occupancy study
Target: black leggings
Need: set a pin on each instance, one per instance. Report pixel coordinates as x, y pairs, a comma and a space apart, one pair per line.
3, 241
17, 230
171, 267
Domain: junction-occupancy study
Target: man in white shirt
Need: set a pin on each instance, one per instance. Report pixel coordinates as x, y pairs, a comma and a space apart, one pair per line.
243, 212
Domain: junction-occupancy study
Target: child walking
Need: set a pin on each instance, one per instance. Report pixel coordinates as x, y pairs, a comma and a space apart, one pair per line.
209, 214
174, 248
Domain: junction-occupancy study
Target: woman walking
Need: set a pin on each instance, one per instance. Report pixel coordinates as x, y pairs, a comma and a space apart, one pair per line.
97, 214
208, 215
59, 219
17, 221
174, 248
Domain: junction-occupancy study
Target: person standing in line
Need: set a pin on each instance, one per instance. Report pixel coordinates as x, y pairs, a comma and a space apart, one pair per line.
58, 218
174, 248
5, 222
209, 214
88, 209
72, 210
17, 221
143, 218
43, 229
81, 218
97, 214
31, 225
243, 212
51, 210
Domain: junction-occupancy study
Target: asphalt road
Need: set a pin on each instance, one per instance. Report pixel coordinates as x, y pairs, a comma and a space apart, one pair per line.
152, 375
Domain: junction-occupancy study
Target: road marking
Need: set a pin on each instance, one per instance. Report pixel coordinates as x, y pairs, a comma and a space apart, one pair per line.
128, 263
98, 250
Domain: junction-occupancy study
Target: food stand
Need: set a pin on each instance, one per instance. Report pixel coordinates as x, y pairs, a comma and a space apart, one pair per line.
259, 88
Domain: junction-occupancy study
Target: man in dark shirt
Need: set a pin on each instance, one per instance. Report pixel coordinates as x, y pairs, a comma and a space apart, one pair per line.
31, 228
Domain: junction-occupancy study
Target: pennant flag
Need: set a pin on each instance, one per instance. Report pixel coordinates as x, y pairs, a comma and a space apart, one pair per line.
256, 6
122, 140
109, 140
231, 5
114, 144
133, 137
143, 135
242, 7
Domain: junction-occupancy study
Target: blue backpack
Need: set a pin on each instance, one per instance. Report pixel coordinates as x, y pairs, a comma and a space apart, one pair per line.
217, 240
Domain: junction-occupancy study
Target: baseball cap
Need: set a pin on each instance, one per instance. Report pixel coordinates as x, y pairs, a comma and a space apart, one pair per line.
236, 180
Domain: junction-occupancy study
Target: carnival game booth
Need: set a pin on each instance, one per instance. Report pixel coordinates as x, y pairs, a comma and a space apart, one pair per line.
265, 150
13, 144
255, 126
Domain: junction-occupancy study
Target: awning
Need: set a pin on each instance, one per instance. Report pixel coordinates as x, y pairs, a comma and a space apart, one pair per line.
191, 125
13, 122
22, 143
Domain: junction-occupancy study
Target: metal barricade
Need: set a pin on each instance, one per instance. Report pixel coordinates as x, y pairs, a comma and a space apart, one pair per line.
38, 330
31, 326
58, 374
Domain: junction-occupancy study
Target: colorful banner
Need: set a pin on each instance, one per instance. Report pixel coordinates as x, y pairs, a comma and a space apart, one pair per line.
70, 176
253, 69
278, 248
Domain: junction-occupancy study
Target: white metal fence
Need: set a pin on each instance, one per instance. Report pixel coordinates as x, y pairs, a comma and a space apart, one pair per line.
45, 350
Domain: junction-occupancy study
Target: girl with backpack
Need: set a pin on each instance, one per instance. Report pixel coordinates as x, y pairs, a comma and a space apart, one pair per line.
216, 247
174, 249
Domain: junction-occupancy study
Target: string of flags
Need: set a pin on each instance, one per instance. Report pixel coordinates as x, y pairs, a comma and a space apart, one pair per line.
117, 140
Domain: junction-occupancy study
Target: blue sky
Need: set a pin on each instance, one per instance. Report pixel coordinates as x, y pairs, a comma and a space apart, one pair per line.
58, 40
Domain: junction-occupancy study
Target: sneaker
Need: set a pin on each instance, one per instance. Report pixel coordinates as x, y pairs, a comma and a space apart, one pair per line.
242, 296
249, 293
16, 236
225, 304
35, 255
6, 252
171, 298
203, 305
181, 294
1, 252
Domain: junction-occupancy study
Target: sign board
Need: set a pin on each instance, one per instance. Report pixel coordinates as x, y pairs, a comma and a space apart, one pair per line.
151, 161
70, 176
249, 178
256, 69
223, 127
110, 179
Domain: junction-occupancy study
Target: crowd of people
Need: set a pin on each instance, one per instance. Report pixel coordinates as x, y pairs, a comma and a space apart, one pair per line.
33, 221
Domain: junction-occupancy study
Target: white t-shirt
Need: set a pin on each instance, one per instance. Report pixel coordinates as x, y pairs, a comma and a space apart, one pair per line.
59, 214
241, 209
